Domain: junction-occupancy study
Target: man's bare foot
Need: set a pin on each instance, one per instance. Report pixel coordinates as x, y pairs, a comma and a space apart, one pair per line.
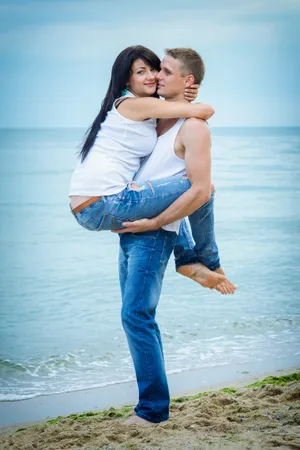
131, 413
208, 278
136, 420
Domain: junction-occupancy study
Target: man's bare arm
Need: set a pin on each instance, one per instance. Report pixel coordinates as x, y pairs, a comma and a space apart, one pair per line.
195, 136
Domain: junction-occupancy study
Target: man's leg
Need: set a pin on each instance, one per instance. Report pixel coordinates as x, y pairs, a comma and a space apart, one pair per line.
196, 249
143, 260
123, 273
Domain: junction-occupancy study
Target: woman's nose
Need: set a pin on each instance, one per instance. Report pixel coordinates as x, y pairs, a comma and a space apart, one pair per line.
151, 75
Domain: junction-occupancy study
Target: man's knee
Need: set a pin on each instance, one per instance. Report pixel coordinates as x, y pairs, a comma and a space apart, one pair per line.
130, 317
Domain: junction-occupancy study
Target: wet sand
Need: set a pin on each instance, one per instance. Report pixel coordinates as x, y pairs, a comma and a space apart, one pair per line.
263, 416
187, 382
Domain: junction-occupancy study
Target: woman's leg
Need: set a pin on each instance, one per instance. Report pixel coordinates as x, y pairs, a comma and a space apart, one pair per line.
196, 250
196, 240
147, 200
144, 201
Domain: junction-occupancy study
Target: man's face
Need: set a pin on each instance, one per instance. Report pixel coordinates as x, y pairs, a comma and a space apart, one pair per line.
170, 82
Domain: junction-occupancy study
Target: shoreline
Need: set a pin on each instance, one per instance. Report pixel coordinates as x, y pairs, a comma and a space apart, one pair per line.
24, 413
258, 416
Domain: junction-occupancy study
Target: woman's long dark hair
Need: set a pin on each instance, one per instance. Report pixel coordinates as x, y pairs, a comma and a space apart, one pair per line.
120, 75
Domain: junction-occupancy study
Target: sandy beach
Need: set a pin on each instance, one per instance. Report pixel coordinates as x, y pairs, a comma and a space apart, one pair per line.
262, 415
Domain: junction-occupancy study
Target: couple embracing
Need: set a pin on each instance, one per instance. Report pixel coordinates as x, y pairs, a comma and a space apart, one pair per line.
144, 166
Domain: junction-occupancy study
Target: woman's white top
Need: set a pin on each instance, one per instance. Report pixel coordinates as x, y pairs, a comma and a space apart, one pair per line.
115, 156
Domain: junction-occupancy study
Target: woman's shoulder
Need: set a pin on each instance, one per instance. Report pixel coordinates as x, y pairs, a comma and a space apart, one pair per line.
130, 111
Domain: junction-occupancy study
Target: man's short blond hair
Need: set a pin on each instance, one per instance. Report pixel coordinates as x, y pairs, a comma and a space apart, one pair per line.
190, 61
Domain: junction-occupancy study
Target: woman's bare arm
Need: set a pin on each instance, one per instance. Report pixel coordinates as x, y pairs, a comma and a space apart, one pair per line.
148, 107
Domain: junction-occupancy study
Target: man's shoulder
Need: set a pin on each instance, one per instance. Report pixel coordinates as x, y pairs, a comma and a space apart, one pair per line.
195, 126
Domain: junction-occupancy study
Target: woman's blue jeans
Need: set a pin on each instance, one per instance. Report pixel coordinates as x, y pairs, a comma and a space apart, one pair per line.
109, 212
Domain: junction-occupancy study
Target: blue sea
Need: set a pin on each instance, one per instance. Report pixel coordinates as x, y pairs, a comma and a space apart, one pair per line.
60, 327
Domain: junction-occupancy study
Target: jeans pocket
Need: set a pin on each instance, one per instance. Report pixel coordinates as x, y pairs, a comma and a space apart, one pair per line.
116, 224
110, 222
91, 219
146, 234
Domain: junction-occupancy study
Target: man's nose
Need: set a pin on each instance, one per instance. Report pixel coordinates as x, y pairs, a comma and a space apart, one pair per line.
159, 75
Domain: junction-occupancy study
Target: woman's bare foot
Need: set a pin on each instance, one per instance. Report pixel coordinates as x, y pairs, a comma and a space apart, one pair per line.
208, 278
202, 275
136, 420
226, 287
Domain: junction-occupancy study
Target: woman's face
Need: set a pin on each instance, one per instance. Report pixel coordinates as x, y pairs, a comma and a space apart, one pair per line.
142, 81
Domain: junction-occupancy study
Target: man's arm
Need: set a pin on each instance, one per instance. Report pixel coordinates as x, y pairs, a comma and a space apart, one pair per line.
195, 136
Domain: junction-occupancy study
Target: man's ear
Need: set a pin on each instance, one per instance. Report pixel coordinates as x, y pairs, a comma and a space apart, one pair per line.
189, 80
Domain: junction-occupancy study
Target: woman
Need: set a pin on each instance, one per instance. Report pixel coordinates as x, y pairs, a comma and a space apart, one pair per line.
102, 196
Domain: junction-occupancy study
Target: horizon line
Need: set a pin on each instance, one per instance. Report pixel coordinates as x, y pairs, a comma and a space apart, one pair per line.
83, 127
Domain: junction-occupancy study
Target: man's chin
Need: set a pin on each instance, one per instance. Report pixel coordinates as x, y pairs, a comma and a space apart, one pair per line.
160, 91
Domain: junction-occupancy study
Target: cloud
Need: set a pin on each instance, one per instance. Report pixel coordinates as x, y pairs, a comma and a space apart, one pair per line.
73, 31
87, 40
69, 46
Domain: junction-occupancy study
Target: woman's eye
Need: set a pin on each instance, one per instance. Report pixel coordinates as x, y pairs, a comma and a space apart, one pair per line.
140, 72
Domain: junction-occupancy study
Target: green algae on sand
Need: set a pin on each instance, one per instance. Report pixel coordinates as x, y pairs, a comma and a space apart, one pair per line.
279, 381
121, 412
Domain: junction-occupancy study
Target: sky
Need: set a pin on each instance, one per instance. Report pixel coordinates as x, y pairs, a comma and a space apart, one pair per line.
56, 56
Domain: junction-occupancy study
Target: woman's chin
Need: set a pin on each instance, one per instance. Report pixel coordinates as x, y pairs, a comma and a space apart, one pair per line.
150, 90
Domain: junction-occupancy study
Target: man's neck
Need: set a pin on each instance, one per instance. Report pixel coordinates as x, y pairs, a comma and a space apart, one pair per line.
165, 125
176, 98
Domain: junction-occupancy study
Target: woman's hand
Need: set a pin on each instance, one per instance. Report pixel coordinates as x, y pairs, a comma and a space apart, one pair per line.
191, 93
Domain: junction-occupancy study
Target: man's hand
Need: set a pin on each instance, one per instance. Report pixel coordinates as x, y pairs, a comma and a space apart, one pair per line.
142, 225
138, 226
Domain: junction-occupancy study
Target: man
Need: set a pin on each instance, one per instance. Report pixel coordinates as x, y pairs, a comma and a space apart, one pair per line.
183, 147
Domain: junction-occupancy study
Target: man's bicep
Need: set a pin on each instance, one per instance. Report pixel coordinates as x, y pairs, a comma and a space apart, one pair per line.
198, 168
197, 154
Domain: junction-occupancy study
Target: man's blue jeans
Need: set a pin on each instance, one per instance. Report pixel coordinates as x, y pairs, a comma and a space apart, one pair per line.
142, 264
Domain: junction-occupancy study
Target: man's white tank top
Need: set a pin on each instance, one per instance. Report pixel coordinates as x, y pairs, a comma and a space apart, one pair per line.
115, 156
162, 163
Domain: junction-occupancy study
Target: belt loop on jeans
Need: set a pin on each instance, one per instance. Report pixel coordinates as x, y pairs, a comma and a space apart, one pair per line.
84, 204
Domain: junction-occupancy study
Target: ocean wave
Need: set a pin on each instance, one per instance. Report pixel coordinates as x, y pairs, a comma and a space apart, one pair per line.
12, 397
47, 368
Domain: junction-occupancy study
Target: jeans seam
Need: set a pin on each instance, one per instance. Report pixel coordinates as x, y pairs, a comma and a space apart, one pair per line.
161, 256
150, 197
140, 333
